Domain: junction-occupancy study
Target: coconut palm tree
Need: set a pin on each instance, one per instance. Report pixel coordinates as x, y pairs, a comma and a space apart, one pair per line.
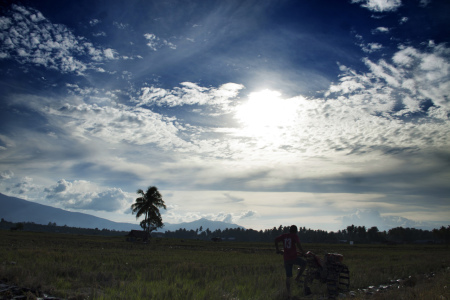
148, 205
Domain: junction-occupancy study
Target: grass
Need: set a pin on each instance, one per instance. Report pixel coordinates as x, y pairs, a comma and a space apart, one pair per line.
93, 267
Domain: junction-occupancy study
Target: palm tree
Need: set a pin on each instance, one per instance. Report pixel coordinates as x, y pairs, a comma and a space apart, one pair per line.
148, 204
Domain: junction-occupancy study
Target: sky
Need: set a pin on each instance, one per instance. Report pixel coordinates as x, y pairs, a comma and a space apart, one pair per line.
261, 113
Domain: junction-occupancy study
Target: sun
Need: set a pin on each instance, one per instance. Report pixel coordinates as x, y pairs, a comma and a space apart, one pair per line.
266, 112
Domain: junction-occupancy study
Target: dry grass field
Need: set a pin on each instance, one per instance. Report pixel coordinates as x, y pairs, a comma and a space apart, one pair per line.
93, 267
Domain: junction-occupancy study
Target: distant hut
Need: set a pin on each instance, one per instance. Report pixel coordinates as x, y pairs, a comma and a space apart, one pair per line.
138, 236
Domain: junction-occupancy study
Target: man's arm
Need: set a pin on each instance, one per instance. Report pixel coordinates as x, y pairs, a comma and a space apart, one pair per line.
300, 247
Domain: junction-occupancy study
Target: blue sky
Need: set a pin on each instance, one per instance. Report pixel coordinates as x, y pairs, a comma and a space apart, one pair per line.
316, 113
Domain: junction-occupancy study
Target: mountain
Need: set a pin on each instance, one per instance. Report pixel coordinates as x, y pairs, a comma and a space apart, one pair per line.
18, 210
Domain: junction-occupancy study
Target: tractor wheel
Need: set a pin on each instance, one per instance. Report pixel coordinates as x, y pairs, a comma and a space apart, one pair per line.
338, 280
332, 281
344, 279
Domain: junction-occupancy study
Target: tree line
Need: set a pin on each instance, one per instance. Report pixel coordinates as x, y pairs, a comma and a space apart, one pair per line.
355, 234
51, 227
149, 202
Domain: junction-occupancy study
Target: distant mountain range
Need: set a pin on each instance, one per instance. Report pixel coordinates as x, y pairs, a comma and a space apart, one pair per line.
14, 209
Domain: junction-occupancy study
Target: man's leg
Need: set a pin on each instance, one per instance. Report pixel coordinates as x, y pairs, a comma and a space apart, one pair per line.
302, 263
288, 286
288, 267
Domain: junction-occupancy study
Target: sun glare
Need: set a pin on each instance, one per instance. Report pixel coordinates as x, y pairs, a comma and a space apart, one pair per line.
265, 112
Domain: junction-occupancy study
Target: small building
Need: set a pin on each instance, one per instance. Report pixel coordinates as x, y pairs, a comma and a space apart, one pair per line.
138, 236
157, 234
424, 242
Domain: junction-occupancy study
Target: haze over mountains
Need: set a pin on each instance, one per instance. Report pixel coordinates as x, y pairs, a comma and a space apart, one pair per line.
18, 210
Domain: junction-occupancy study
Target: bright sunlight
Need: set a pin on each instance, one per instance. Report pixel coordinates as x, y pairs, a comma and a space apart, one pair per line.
266, 112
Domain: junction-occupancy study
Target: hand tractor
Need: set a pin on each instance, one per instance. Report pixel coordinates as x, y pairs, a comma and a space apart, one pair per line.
329, 270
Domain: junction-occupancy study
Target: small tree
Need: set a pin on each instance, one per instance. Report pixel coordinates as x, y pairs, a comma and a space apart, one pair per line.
443, 233
373, 234
148, 205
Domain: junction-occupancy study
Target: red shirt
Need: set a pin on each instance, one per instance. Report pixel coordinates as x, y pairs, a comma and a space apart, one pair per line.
289, 241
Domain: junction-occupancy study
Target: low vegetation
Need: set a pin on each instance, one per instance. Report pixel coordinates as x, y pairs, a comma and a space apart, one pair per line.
355, 234
54, 228
97, 267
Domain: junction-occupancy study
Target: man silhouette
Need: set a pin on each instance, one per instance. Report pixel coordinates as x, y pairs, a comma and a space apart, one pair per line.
291, 242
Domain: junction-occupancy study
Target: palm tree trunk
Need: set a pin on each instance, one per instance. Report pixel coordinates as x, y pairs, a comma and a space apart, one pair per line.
146, 222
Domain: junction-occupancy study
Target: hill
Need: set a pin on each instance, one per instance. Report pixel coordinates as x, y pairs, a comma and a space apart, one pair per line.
19, 210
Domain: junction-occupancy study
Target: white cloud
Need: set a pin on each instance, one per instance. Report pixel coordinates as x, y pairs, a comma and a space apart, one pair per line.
380, 30
380, 5
5, 23
92, 95
363, 217
152, 41
8, 174
110, 53
371, 47
328, 211
156, 43
121, 25
364, 113
23, 187
360, 113
85, 195
406, 56
420, 75
425, 2
169, 44
6, 142
94, 22
100, 33
227, 218
121, 124
248, 214
37, 17
189, 94
372, 217
369, 113
28, 37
